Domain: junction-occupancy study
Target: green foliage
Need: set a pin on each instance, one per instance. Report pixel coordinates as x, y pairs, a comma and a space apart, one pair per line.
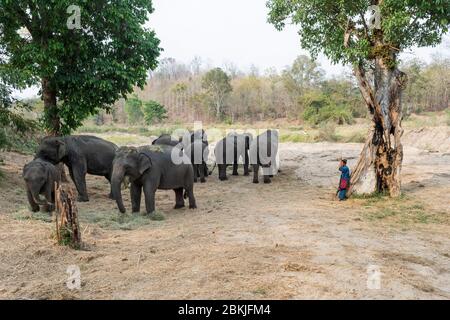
86, 69
22, 142
323, 23
133, 109
150, 111
321, 109
296, 138
15, 129
153, 112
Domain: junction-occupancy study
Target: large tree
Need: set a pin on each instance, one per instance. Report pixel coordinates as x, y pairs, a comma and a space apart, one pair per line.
82, 62
217, 84
340, 30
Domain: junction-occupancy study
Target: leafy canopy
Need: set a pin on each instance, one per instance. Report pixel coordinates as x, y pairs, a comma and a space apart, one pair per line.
133, 109
323, 25
217, 82
88, 68
148, 111
153, 112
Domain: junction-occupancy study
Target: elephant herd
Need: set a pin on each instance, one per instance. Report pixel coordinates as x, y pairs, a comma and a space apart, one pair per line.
166, 164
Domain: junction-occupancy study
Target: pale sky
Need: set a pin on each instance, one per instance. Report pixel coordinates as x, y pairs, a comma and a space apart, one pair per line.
223, 31
236, 31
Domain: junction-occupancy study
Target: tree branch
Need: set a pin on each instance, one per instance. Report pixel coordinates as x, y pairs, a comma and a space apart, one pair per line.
23, 17
366, 28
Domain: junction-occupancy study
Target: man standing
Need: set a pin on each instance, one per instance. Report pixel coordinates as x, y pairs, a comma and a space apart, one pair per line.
344, 182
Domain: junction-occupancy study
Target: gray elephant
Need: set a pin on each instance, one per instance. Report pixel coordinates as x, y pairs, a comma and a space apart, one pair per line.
190, 137
82, 155
151, 168
198, 153
165, 140
230, 150
264, 153
40, 177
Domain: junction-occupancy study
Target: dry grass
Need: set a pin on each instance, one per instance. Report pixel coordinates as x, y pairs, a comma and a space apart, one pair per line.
287, 240
401, 211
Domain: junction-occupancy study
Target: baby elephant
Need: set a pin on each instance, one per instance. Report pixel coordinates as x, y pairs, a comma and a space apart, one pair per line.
40, 177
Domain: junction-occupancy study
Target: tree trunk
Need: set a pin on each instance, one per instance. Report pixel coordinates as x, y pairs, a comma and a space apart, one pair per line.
51, 108
67, 225
53, 120
380, 163
218, 110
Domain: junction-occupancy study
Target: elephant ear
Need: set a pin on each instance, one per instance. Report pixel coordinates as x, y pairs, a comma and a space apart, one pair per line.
144, 163
61, 148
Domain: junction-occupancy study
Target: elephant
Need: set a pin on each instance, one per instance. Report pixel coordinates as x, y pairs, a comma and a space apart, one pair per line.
82, 155
191, 137
264, 153
165, 140
230, 150
40, 177
150, 168
198, 153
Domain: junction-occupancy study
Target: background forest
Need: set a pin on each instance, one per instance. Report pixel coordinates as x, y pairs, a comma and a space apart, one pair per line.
300, 92
178, 93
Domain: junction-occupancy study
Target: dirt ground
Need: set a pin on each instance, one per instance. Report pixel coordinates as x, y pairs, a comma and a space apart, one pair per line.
287, 240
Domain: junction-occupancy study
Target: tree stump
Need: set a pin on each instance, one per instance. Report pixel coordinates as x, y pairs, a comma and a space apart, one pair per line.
67, 226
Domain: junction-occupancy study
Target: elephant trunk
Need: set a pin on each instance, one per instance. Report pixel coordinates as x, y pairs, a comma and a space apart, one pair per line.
39, 201
36, 195
116, 187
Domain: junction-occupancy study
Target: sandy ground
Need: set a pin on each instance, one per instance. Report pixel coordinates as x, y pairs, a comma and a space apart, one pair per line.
287, 240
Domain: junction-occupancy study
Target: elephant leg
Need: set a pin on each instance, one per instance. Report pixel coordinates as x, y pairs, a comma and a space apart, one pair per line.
71, 174
201, 169
255, 173
34, 206
179, 199
79, 175
49, 197
246, 165
54, 200
149, 192
222, 172
135, 195
267, 172
246, 170
192, 202
194, 166
235, 169
205, 168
